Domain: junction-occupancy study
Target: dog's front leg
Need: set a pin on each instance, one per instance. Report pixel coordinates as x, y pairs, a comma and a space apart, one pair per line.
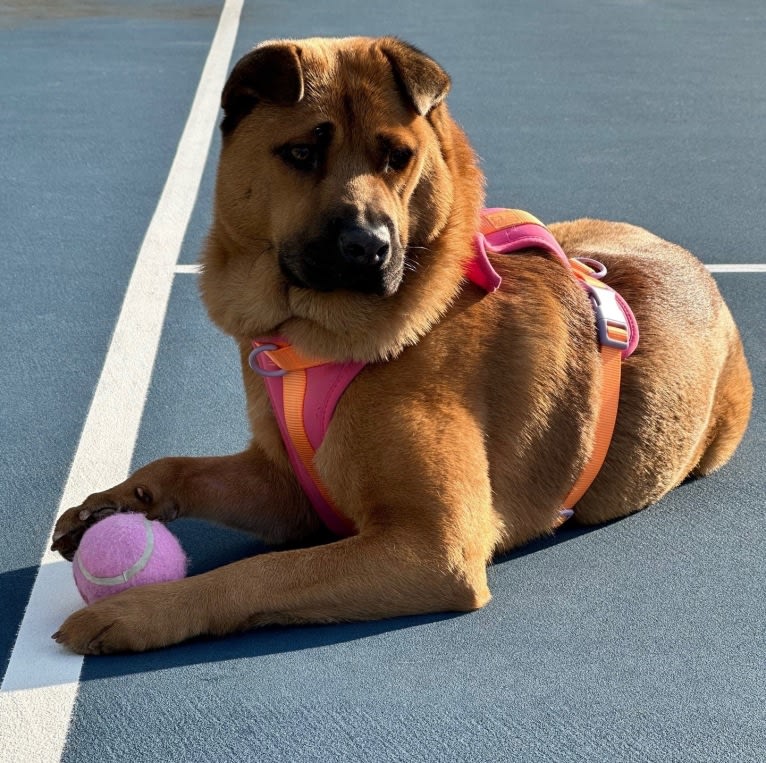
364, 577
246, 491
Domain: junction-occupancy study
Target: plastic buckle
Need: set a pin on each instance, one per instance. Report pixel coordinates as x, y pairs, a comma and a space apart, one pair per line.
252, 361
610, 319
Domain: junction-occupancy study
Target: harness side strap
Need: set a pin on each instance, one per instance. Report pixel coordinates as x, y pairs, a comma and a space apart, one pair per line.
611, 365
618, 337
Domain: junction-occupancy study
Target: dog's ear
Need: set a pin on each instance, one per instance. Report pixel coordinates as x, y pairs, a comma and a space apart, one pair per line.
271, 73
423, 81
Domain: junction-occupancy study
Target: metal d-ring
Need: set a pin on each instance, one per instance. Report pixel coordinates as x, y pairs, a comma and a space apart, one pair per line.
253, 362
598, 267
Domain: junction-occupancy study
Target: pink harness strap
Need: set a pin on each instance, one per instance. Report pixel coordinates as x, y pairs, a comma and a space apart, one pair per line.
325, 383
501, 238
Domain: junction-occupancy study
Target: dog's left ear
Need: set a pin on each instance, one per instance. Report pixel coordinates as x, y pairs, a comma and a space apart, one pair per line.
423, 81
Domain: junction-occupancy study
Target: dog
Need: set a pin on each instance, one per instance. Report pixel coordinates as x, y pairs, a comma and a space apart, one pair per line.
346, 208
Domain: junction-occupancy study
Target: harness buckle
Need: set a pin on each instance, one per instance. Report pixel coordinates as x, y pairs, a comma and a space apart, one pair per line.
613, 327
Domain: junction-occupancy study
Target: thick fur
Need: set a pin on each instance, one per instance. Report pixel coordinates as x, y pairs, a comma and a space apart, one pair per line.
476, 412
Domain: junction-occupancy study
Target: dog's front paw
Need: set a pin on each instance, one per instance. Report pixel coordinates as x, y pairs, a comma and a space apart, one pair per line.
129, 496
132, 621
73, 523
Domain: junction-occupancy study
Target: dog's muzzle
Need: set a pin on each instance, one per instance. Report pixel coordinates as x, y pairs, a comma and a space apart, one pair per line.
349, 255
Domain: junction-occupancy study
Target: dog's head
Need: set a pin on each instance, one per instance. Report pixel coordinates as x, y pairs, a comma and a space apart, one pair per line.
334, 182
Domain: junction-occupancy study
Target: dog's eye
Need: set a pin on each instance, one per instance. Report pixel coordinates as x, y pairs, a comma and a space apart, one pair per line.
301, 156
398, 159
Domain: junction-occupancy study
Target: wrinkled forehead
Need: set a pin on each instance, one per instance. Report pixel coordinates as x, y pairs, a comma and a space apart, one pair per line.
353, 85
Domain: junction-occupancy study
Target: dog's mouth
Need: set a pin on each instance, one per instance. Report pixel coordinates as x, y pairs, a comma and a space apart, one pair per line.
362, 259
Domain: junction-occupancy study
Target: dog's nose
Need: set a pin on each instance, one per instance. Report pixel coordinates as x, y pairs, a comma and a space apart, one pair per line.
369, 246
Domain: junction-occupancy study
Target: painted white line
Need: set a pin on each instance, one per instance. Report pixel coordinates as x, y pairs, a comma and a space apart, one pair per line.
40, 686
188, 269
743, 268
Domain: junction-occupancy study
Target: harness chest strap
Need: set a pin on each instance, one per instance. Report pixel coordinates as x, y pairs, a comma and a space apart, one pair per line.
303, 394
305, 391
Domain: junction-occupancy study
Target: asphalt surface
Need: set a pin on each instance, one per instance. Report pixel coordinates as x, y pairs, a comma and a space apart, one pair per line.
642, 640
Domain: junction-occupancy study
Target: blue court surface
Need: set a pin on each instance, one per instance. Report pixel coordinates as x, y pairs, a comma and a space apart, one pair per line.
642, 640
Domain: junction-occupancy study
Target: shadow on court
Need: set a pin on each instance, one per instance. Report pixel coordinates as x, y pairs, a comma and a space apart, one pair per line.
209, 547
196, 537
15, 586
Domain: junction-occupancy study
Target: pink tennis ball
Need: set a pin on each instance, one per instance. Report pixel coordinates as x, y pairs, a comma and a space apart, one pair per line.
126, 550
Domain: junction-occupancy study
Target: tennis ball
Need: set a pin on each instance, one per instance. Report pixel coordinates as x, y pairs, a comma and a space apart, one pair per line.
126, 550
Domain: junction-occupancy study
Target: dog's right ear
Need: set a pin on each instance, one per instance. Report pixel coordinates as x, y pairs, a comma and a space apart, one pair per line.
271, 73
421, 79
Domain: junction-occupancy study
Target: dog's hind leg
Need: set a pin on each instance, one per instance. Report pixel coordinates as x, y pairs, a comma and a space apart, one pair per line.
730, 414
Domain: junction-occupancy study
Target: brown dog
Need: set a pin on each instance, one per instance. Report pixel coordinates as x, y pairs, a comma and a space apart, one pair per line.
345, 207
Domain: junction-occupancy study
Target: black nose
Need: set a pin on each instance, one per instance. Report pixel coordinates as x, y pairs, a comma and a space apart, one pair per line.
366, 246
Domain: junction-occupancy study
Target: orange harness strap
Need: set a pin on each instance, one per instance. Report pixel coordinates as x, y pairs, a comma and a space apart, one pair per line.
607, 415
611, 367
294, 395
284, 369
294, 387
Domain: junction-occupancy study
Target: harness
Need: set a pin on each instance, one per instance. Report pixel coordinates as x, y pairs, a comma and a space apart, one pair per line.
305, 391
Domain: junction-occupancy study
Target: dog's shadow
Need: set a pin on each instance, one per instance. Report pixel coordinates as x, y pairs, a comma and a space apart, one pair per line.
567, 532
210, 547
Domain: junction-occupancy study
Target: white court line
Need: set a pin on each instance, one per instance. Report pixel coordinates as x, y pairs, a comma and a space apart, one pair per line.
40, 686
743, 268
187, 269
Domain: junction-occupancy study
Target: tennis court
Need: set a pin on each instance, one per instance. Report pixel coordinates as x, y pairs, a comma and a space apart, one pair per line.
641, 640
